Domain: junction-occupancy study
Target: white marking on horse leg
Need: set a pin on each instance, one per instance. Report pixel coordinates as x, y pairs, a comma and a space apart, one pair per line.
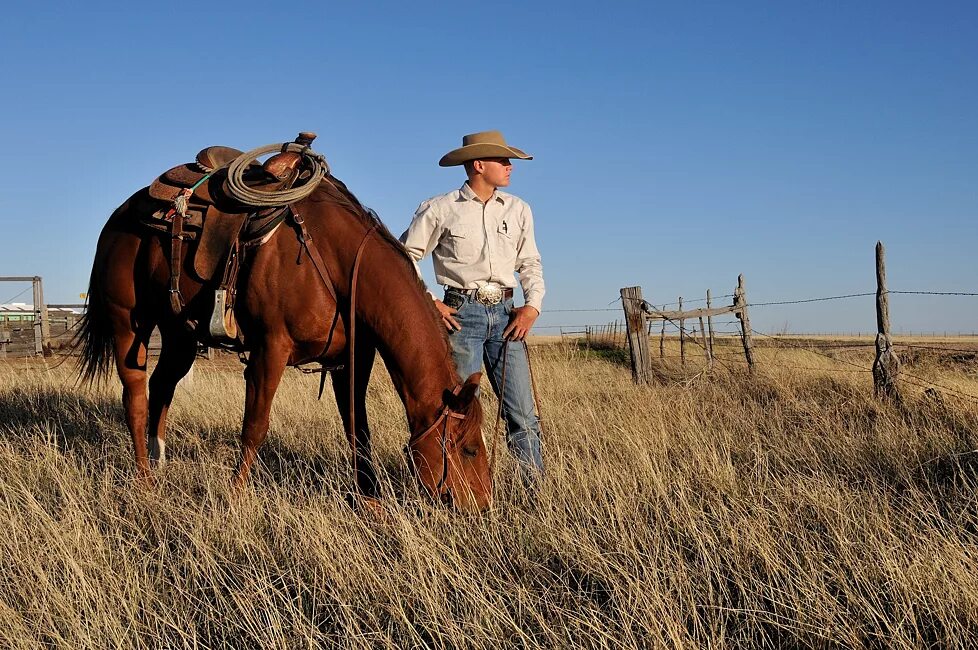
157, 451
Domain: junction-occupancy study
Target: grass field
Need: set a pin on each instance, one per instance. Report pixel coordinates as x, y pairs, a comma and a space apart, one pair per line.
711, 510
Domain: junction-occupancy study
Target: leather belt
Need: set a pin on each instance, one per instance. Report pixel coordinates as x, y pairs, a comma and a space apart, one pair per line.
486, 295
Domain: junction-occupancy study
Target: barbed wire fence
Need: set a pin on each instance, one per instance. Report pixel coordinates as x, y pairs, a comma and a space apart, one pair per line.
715, 340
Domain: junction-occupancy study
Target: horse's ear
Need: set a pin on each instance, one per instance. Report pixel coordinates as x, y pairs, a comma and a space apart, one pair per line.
459, 403
470, 388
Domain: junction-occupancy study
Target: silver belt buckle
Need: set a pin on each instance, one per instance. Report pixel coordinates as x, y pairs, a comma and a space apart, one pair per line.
489, 294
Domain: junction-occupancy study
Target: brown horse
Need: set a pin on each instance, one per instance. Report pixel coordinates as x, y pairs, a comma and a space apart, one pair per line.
288, 316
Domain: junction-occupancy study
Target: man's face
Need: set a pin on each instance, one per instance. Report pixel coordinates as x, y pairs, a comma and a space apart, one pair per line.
496, 171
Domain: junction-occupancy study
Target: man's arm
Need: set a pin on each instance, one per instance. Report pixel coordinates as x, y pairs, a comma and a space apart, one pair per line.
419, 240
422, 235
530, 268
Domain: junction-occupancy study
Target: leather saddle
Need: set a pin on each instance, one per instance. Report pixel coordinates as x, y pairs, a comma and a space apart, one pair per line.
193, 206
215, 220
171, 182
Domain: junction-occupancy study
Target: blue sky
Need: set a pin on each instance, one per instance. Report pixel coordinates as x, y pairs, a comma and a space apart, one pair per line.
676, 144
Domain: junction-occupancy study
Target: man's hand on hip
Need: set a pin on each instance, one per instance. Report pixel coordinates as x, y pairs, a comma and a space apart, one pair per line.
447, 316
521, 320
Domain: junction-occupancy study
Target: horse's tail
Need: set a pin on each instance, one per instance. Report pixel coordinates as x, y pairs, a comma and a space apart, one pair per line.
94, 334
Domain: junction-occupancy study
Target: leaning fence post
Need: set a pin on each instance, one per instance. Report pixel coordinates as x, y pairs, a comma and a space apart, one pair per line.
886, 367
740, 301
706, 346
638, 340
682, 333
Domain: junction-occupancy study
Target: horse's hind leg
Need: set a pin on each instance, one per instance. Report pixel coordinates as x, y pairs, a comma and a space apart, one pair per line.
179, 349
262, 377
131, 343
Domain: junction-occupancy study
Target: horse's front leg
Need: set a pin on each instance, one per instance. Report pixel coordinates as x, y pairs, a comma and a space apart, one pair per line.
262, 377
366, 477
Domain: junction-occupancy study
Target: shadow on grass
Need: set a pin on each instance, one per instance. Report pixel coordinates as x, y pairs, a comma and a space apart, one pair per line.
664, 371
77, 421
71, 416
332, 470
605, 352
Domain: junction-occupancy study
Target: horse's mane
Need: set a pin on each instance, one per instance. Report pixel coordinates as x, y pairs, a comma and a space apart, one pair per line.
333, 190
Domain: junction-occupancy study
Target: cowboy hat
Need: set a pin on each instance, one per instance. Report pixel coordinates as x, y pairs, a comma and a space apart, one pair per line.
487, 144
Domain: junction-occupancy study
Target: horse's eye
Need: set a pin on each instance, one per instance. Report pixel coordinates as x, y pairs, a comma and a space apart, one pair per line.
471, 452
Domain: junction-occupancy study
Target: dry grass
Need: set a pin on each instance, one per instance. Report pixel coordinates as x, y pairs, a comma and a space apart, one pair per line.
788, 511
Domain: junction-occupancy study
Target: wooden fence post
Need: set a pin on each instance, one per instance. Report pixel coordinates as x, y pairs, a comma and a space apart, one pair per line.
886, 367
42, 330
638, 340
740, 301
662, 340
682, 333
709, 320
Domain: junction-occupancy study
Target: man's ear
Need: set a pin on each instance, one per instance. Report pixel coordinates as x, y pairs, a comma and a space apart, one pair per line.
460, 403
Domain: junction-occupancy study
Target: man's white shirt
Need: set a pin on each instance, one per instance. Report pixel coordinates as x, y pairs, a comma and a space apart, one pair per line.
472, 243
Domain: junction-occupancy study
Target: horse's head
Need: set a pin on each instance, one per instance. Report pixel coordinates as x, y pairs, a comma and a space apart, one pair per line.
450, 457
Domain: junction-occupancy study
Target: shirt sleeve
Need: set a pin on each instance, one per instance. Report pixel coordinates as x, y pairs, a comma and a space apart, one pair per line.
422, 235
529, 265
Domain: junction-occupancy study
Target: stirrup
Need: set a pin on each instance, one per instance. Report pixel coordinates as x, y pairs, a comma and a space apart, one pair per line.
223, 324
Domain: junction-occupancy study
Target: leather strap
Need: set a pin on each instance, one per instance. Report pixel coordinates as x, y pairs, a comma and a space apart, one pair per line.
176, 257
499, 408
317, 260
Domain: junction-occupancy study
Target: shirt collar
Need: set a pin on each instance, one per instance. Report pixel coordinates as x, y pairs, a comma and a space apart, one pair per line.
465, 192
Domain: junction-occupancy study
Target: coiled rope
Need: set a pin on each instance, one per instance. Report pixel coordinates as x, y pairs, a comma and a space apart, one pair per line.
250, 196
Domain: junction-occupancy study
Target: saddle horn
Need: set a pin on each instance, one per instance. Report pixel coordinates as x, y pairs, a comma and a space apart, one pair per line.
285, 166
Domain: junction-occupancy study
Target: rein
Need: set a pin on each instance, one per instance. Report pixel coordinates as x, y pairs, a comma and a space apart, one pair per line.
502, 389
353, 337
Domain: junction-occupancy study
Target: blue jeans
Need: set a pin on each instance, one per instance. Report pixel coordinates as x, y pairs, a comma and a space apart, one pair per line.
481, 340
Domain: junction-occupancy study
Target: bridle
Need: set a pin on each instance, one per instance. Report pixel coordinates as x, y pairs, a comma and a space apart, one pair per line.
441, 421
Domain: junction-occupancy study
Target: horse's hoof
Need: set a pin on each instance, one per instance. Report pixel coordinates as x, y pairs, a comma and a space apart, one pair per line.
157, 452
370, 506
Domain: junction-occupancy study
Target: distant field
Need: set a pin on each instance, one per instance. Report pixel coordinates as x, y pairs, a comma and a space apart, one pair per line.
790, 509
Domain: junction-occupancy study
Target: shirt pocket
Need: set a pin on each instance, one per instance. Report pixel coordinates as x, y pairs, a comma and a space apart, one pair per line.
506, 238
463, 241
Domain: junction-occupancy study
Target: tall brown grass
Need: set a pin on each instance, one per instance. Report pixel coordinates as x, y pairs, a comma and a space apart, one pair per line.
790, 510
